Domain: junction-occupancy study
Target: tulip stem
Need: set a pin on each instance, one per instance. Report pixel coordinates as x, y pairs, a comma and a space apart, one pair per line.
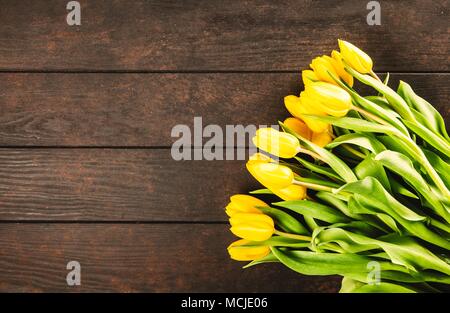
369, 115
354, 151
310, 153
313, 186
372, 73
293, 236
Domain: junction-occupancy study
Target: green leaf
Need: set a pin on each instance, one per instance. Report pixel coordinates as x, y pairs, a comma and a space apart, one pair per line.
314, 210
319, 169
324, 263
355, 124
333, 161
402, 165
285, 221
365, 141
394, 99
402, 250
279, 241
383, 288
370, 167
442, 167
263, 191
433, 139
270, 258
371, 194
431, 116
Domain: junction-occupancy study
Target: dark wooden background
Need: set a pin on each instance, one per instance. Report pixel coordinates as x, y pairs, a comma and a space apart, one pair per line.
86, 113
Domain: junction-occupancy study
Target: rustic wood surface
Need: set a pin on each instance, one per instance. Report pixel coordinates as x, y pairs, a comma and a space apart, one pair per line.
218, 35
124, 110
137, 257
86, 114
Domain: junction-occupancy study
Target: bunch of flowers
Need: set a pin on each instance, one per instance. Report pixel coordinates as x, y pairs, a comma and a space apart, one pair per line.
363, 181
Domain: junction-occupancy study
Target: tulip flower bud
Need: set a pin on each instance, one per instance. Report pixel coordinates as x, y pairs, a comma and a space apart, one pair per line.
299, 127
292, 192
277, 143
309, 76
239, 252
321, 139
327, 98
299, 109
355, 57
244, 204
251, 226
322, 67
259, 157
271, 174
340, 68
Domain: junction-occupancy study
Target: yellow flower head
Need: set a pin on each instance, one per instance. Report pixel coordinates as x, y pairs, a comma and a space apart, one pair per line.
244, 204
355, 57
277, 143
259, 157
327, 98
309, 76
252, 226
322, 139
292, 192
336, 59
322, 67
239, 252
271, 174
298, 108
299, 127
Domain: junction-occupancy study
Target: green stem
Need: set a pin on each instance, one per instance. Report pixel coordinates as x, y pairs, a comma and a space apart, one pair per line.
293, 236
314, 186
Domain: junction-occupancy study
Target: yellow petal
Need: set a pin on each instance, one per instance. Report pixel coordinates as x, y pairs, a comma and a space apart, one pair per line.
259, 157
309, 76
244, 204
277, 143
251, 226
309, 107
292, 192
299, 127
340, 69
355, 57
271, 174
328, 98
239, 252
322, 67
321, 139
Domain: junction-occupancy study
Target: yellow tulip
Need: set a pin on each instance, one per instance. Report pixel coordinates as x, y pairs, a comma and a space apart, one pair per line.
355, 57
239, 252
292, 192
321, 139
299, 127
340, 69
251, 226
244, 204
309, 76
271, 174
327, 98
299, 109
322, 67
259, 157
277, 143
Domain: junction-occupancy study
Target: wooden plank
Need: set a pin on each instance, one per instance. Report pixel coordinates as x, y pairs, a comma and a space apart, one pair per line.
141, 109
137, 258
115, 185
219, 35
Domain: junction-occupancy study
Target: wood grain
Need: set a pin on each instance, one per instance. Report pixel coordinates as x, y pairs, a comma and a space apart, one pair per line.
219, 35
141, 109
115, 185
137, 258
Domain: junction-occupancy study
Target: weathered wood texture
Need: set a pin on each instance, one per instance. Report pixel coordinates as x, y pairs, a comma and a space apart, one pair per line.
219, 35
141, 109
115, 185
137, 258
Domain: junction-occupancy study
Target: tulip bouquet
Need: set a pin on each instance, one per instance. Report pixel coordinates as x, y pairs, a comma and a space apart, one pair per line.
361, 182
